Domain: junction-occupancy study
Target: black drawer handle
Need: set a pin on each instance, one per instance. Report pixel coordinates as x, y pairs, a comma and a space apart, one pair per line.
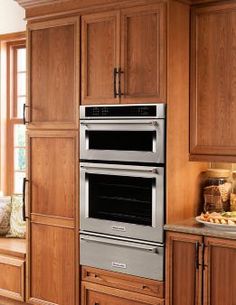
115, 72
197, 255
119, 91
24, 186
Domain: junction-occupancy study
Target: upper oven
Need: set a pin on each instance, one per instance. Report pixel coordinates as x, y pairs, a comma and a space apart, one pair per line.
123, 133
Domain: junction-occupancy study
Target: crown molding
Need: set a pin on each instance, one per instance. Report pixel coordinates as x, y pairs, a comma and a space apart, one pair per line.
34, 3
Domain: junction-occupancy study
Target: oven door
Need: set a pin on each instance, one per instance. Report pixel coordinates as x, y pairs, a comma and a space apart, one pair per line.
122, 200
123, 140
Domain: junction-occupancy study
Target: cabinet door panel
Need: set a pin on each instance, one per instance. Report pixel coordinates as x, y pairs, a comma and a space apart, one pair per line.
183, 278
52, 173
53, 82
213, 83
220, 272
52, 265
143, 54
94, 294
100, 55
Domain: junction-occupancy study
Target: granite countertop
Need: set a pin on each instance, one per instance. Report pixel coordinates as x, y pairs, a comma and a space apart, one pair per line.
190, 226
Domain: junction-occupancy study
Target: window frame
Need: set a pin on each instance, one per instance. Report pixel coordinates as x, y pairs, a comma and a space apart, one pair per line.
8, 108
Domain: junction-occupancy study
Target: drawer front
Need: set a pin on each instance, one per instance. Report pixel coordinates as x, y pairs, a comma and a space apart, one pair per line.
123, 281
121, 256
12, 277
92, 294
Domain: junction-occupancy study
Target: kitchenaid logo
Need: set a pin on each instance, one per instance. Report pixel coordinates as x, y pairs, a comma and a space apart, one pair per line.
118, 228
119, 265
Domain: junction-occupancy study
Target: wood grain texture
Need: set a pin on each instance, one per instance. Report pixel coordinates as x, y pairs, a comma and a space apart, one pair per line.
183, 177
220, 260
7, 301
100, 55
12, 280
93, 293
213, 82
53, 173
53, 74
13, 246
143, 54
123, 281
183, 280
52, 266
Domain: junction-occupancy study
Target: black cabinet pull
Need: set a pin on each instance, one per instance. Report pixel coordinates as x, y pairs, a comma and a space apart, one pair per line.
197, 255
24, 116
115, 72
119, 90
24, 185
96, 303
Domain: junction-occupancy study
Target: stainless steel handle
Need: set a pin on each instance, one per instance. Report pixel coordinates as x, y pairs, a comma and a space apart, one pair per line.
120, 243
117, 167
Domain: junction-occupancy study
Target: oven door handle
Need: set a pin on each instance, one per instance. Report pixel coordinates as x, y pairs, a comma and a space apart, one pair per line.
149, 248
149, 125
116, 170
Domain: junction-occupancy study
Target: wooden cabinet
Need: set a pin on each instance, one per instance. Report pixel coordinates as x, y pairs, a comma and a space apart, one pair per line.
220, 272
200, 271
183, 272
132, 41
106, 287
12, 277
12, 270
52, 175
100, 55
143, 54
213, 78
53, 96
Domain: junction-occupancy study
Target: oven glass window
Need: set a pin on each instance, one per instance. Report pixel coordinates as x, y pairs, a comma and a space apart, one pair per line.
121, 140
120, 198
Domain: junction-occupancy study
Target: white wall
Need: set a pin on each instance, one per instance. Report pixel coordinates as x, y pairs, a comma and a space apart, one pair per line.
11, 17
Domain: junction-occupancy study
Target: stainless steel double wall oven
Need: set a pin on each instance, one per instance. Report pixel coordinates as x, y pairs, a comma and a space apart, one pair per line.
122, 183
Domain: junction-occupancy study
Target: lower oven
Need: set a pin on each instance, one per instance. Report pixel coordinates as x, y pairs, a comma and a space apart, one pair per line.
122, 200
143, 259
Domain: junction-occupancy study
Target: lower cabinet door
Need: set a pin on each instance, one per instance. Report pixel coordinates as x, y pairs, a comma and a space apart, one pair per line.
94, 294
220, 272
12, 277
51, 265
183, 269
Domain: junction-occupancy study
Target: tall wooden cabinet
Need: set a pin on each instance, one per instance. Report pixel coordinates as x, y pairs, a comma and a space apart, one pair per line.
213, 77
123, 56
52, 114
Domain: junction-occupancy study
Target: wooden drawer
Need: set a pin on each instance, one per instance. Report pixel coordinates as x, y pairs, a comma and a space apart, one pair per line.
104, 295
121, 281
12, 277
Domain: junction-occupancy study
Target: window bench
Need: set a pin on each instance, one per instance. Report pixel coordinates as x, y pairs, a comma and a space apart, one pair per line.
12, 269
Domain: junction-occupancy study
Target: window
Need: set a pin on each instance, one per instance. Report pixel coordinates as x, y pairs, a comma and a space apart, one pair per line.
16, 98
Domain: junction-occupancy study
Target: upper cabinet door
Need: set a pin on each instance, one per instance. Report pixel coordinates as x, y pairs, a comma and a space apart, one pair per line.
53, 76
213, 83
100, 56
143, 54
